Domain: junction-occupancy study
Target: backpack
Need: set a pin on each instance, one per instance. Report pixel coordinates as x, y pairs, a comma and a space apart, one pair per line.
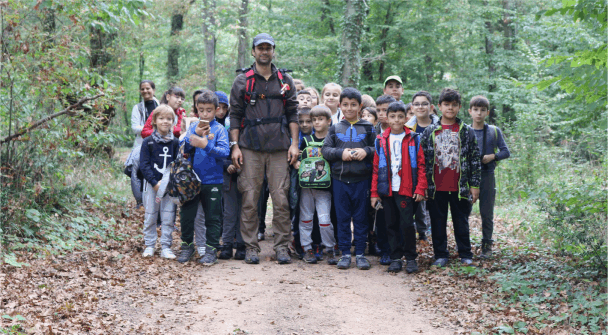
314, 171
483, 145
184, 184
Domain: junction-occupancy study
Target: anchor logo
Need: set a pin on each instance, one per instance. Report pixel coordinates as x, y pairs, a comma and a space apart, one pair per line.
165, 155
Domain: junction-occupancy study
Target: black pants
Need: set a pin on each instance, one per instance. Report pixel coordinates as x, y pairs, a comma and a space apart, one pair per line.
460, 209
210, 198
400, 226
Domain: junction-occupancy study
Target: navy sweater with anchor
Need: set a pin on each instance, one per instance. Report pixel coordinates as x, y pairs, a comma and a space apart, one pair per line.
155, 156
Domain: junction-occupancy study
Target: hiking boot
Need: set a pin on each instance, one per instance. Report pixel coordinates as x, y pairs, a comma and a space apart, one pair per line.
466, 261
240, 252
486, 250
251, 256
362, 263
344, 262
411, 266
148, 252
283, 255
210, 257
440, 262
226, 252
186, 252
309, 257
396, 266
167, 253
422, 237
331, 257
261, 237
385, 259
201, 251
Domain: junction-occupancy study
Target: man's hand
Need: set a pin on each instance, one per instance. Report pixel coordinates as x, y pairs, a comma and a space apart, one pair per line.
418, 197
374, 200
359, 154
474, 194
292, 154
156, 187
237, 156
199, 142
346, 155
231, 169
297, 165
488, 158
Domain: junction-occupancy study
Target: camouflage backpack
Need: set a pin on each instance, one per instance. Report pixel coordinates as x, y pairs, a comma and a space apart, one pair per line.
184, 183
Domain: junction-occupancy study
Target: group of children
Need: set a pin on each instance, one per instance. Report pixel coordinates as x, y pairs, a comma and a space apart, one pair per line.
386, 168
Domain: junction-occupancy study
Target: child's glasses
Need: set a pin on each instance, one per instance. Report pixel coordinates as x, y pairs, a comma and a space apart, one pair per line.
424, 104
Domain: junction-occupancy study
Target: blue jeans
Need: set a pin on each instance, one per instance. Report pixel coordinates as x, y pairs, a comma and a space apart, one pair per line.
352, 202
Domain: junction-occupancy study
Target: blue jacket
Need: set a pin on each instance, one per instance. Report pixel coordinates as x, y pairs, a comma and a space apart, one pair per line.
208, 163
155, 156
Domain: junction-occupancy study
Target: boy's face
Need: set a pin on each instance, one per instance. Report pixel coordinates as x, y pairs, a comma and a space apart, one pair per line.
350, 108
305, 123
478, 114
221, 113
163, 123
449, 110
304, 101
421, 107
382, 113
206, 111
369, 117
320, 123
396, 120
409, 114
394, 88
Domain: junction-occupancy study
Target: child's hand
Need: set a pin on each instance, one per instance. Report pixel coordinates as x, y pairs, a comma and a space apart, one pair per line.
418, 197
202, 129
231, 169
199, 142
346, 155
156, 187
297, 165
359, 154
374, 200
474, 194
488, 158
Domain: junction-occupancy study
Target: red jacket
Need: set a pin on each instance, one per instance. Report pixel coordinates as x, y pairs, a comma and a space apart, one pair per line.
382, 166
177, 129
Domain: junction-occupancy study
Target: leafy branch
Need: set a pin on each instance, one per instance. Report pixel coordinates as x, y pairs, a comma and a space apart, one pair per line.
50, 117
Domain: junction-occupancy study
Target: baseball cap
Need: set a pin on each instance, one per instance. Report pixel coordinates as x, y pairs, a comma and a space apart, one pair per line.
262, 38
395, 78
222, 97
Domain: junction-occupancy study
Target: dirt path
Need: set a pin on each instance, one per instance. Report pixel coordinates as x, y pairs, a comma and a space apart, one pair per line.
269, 299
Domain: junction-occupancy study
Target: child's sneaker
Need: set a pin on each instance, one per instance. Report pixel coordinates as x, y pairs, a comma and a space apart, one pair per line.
337, 251
186, 252
466, 261
167, 253
440, 262
226, 252
362, 263
396, 266
309, 257
318, 253
148, 252
210, 257
385, 259
331, 257
240, 253
344, 262
411, 266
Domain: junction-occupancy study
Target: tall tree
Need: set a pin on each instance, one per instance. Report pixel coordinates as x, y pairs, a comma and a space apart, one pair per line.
209, 26
242, 36
352, 30
177, 24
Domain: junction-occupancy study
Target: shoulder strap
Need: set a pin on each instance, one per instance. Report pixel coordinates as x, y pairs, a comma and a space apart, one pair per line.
483, 145
249, 83
140, 108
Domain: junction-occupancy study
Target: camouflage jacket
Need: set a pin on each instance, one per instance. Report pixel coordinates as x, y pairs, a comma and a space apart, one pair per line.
470, 161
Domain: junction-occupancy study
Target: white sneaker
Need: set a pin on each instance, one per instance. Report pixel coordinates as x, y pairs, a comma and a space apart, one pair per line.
167, 253
148, 252
201, 251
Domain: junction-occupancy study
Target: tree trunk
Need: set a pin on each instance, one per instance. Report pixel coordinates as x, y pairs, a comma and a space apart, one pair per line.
383, 35
209, 39
325, 15
177, 23
100, 42
508, 34
490, 62
242, 35
352, 29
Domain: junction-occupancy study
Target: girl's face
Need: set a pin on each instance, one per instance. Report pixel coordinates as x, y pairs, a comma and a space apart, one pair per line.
314, 99
331, 97
164, 122
367, 116
146, 91
221, 113
175, 101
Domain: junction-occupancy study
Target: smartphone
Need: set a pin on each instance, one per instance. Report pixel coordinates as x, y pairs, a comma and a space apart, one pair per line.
205, 121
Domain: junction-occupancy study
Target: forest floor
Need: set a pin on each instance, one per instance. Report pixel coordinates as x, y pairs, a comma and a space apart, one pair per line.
108, 288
